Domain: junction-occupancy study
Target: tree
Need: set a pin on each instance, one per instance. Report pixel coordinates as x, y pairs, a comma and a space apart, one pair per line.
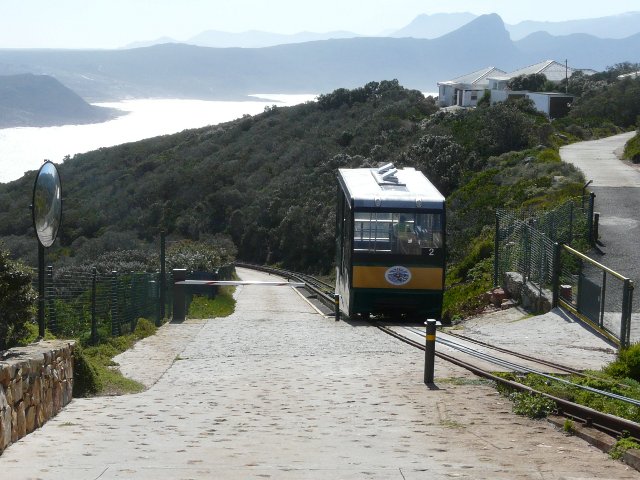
442, 160
17, 301
533, 83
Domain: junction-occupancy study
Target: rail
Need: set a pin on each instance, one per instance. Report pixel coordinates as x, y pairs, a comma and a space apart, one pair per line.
605, 422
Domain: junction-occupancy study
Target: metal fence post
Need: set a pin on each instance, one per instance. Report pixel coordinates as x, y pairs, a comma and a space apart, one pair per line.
592, 198
51, 305
496, 252
429, 351
115, 324
629, 311
163, 277
603, 296
625, 324
94, 323
556, 274
570, 223
624, 341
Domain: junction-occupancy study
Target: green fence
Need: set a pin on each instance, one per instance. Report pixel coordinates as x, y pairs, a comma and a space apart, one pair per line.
600, 296
84, 303
525, 239
535, 245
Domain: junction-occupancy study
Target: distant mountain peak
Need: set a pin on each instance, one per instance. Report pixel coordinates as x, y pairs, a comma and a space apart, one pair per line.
490, 27
433, 25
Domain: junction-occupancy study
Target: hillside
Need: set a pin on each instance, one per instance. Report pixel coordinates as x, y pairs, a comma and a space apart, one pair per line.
41, 101
269, 181
187, 71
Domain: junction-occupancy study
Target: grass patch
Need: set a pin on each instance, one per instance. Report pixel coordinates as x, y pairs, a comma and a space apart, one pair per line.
222, 305
632, 149
621, 446
95, 372
599, 380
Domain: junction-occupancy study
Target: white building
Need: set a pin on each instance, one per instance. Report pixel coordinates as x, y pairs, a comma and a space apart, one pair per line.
466, 90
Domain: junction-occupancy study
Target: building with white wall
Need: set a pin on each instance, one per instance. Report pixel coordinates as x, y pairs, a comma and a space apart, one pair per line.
465, 91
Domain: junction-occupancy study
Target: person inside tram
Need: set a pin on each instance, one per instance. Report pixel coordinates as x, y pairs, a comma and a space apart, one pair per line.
405, 240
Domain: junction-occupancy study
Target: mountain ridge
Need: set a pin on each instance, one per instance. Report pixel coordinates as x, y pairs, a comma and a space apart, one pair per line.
29, 100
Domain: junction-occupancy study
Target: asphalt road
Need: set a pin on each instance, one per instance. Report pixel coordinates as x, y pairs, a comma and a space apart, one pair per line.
617, 187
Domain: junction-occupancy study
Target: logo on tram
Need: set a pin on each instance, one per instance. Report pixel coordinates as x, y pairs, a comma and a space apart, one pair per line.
397, 275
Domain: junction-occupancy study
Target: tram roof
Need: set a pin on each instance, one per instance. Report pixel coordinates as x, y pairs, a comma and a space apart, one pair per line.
386, 187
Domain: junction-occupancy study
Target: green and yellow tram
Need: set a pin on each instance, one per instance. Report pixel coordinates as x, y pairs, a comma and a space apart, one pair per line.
390, 233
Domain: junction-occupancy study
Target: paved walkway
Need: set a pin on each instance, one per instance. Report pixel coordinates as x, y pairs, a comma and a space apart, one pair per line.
598, 161
278, 391
617, 187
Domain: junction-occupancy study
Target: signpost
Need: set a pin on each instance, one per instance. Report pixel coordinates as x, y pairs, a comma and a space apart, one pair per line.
46, 211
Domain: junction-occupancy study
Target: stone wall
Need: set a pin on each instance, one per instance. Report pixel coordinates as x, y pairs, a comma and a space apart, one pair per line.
527, 294
35, 383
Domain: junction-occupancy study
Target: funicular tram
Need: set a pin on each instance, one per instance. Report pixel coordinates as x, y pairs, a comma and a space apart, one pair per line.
390, 235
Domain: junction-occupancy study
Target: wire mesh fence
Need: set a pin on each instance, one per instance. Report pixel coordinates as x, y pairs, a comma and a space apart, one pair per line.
599, 294
525, 239
534, 245
87, 304
82, 303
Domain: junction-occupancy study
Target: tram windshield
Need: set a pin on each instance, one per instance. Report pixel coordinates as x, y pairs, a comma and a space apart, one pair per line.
399, 233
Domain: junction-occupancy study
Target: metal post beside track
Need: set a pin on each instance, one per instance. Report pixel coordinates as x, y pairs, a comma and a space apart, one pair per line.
429, 351
336, 299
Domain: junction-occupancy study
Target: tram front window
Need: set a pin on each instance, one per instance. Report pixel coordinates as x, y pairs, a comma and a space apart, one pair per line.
399, 233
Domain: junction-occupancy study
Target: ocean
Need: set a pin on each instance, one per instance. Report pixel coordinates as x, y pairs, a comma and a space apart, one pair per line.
25, 148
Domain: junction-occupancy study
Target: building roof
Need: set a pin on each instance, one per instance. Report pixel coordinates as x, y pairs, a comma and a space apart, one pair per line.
629, 75
554, 71
477, 78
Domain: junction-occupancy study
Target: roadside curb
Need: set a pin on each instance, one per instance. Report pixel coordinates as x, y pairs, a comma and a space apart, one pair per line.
598, 439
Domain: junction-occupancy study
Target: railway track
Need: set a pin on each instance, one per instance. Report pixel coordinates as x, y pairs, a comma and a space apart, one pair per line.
607, 423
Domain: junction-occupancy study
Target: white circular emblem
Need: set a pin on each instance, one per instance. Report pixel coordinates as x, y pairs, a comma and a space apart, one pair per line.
397, 275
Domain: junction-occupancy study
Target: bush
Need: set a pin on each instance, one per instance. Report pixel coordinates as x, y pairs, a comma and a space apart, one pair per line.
632, 149
86, 380
627, 363
144, 328
531, 405
17, 301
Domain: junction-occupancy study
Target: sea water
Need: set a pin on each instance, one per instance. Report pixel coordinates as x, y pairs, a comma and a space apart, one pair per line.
25, 148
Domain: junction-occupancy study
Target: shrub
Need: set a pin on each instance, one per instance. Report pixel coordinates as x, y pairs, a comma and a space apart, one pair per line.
531, 405
86, 380
144, 328
627, 364
632, 149
17, 301
621, 446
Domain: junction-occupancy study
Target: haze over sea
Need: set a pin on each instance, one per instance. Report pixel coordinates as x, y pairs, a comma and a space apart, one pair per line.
24, 149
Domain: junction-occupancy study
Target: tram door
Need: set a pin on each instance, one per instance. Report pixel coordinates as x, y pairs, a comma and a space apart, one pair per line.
344, 245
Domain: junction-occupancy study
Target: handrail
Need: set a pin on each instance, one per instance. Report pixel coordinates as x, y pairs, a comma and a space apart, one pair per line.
593, 262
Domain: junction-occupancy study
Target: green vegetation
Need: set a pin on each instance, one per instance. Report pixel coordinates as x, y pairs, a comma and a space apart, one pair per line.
568, 426
264, 186
632, 149
627, 365
597, 380
531, 405
95, 371
222, 305
621, 446
17, 301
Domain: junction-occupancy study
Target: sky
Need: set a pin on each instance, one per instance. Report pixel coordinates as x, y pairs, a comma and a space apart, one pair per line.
116, 23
